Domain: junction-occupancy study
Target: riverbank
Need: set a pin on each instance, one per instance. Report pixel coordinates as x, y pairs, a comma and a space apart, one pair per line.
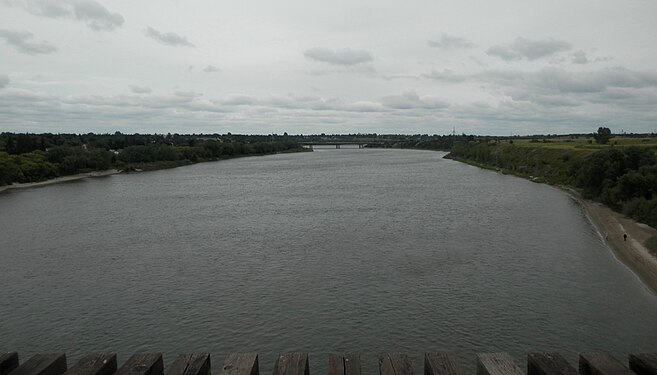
59, 180
631, 251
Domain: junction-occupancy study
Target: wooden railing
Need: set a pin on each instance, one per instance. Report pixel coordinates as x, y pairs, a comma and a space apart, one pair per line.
436, 363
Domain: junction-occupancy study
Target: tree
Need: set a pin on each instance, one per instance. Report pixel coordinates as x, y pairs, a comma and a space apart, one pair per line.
602, 136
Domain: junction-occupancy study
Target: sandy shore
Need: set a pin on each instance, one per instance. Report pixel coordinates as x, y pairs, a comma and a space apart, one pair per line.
59, 180
612, 226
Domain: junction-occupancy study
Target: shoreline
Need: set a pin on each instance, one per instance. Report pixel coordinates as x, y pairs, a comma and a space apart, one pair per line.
58, 180
146, 168
611, 226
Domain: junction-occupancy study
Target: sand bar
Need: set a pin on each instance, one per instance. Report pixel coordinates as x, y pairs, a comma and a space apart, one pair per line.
59, 180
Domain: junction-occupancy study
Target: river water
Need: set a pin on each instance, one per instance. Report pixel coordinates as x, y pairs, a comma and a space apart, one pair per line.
331, 251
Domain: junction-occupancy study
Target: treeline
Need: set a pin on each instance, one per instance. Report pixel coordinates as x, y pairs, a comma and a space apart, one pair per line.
624, 178
38, 157
430, 142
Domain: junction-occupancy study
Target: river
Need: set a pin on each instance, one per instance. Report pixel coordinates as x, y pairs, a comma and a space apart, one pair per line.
331, 251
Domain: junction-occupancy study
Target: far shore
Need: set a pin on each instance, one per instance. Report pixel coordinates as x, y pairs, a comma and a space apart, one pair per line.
59, 180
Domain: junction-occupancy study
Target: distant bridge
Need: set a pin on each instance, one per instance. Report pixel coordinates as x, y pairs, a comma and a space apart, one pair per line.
338, 144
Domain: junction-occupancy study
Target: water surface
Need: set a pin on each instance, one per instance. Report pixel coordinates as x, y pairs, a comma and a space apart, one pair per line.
330, 251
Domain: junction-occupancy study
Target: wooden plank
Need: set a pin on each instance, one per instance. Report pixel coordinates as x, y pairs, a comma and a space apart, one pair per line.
601, 364
548, 364
643, 363
395, 364
440, 364
142, 364
292, 364
241, 364
94, 364
43, 364
496, 364
347, 364
190, 364
8, 362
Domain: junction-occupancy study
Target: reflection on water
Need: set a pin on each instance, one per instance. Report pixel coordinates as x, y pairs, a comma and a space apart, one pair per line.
335, 250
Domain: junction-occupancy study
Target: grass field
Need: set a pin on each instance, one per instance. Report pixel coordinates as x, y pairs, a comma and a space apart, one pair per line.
585, 143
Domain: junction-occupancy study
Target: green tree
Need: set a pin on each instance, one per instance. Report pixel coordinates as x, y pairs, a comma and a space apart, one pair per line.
602, 136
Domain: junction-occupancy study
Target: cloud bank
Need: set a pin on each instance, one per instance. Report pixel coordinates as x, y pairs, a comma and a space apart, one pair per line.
4, 81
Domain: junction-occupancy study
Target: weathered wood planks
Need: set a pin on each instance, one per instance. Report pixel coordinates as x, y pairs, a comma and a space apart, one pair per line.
440, 364
297, 363
241, 364
94, 364
548, 364
292, 364
395, 364
497, 364
42, 364
190, 364
8, 362
643, 363
344, 364
601, 364
142, 364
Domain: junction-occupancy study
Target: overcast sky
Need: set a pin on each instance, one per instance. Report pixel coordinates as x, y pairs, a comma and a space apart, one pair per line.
496, 67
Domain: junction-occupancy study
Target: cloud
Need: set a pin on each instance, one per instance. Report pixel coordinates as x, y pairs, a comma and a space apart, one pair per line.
4, 81
169, 39
579, 57
187, 94
531, 50
593, 93
239, 100
447, 41
411, 100
561, 81
211, 69
21, 41
446, 75
140, 89
96, 16
346, 57
366, 106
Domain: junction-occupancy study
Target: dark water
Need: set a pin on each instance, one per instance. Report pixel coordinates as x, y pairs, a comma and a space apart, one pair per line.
336, 250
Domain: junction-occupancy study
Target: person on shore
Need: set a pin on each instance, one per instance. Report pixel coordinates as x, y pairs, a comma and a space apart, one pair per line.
624, 236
